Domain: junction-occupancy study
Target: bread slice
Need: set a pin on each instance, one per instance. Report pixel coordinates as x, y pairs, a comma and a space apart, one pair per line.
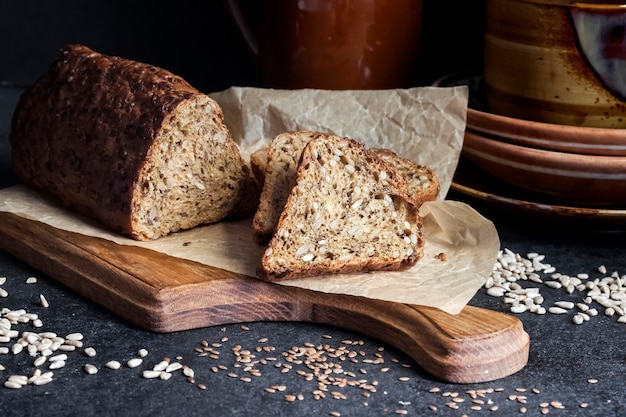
283, 156
346, 213
278, 164
258, 164
129, 144
422, 181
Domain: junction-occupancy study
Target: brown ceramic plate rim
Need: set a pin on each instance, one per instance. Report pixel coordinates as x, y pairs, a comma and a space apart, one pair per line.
578, 165
549, 136
490, 190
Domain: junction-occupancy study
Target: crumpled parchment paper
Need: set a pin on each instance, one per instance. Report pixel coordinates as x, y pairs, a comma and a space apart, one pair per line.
425, 124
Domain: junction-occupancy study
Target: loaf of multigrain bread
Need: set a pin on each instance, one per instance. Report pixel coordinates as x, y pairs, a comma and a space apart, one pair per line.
347, 212
129, 144
275, 168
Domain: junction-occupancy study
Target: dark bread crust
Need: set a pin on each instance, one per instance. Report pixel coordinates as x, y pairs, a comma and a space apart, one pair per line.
85, 130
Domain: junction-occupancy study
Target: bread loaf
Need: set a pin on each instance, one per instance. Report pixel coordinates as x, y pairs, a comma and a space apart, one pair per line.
129, 144
347, 212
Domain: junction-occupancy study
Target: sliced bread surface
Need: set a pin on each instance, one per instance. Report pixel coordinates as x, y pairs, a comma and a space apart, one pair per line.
422, 180
281, 163
278, 163
347, 212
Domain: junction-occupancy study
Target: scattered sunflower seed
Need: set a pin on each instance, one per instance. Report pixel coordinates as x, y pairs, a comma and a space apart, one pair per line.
134, 362
91, 369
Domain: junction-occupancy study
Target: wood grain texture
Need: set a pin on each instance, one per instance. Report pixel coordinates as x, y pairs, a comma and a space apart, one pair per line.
161, 293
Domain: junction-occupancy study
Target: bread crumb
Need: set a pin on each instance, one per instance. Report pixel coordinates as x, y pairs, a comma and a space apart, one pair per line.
442, 256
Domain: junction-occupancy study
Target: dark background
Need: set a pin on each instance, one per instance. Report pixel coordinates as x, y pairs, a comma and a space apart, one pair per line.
195, 39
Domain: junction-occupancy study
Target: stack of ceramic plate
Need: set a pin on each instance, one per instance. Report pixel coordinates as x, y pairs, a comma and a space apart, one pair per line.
578, 166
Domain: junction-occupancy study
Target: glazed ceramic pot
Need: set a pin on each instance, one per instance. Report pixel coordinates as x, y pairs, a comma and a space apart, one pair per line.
333, 44
557, 61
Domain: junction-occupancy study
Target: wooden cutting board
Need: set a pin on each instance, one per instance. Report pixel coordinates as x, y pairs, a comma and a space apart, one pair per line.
161, 293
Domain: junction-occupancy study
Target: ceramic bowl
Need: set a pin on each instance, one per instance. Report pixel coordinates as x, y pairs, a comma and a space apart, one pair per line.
592, 180
557, 61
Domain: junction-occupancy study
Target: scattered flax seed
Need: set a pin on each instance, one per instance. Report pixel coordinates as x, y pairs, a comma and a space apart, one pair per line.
334, 414
243, 327
592, 381
402, 411
202, 386
31, 280
545, 410
404, 378
432, 407
584, 405
290, 397
557, 404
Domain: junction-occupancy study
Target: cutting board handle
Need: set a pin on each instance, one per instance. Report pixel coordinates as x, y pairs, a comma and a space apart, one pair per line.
164, 294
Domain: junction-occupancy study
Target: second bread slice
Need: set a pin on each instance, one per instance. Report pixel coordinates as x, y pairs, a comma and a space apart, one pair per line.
346, 213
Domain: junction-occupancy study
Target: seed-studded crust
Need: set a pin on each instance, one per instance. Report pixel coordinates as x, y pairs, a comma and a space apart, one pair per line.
129, 144
422, 181
346, 213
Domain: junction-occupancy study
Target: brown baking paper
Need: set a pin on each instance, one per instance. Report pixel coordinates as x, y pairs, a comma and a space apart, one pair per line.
425, 124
